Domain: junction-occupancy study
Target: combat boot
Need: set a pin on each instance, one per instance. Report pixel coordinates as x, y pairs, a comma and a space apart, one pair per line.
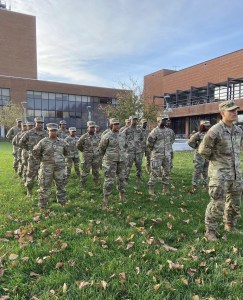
29, 192
165, 189
211, 235
122, 196
194, 189
151, 190
231, 228
105, 201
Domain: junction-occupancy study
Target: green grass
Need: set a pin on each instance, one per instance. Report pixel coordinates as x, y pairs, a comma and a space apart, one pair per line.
64, 248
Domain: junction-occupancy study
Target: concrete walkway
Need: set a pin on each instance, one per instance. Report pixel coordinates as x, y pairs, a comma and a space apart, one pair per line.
181, 145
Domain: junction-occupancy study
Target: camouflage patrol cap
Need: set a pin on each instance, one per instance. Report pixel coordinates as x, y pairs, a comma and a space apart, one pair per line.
162, 117
127, 120
24, 124
133, 117
97, 126
38, 120
90, 124
63, 122
144, 121
18, 120
72, 129
29, 123
52, 126
227, 105
114, 121
205, 123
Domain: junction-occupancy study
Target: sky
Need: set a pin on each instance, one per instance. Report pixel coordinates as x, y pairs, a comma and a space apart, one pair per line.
108, 42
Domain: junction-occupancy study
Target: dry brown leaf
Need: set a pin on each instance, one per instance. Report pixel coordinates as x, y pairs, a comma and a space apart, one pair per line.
156, 287
157, 220
9, 234
103, 284
4, 240
175, 266
64, 288
122, 277
149, 240
39, 261
208, 251
59, 265
25, 259
169, 225
186, 221
234, 249
79, 231
169, 248
137, 270
82, 284
36, 218
1, 272
184, 280
199, 281
203, 264
191, 271
195, 297
130, 245
119, 240
132, 224
64, 246
33, 274
13, 256
90, 254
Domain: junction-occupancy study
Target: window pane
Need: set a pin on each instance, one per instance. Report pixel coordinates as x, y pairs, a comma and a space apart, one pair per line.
52, 104
52, 96
58, 105
65, 105
59, 96
30, 112
37, 104
37, 95
85, 99
5, 92
65, 114
44, 95
72, 106
52, 114
78, 98
30, 94
71, 97
45, 113
38, 113
64, 97
45, 104
59, 114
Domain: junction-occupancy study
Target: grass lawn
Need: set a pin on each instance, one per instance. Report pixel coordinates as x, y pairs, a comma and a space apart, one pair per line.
145, 248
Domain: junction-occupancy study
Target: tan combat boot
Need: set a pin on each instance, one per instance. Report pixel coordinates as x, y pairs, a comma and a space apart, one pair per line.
230, 228
151, 190
122, 196
29, 192
105, 201
211, 235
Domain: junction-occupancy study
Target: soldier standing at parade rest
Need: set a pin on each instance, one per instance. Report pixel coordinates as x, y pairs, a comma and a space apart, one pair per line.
73, 157
146, 151
62, 131
88, 144
168, 125
25, 152
160, 142
10, 135
221, 146
112, 148
51, 151
127, 124
28, 141
134, 141
200, 163
15, 142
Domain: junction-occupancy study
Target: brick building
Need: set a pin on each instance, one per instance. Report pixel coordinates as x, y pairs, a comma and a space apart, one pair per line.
193, 93
52, 100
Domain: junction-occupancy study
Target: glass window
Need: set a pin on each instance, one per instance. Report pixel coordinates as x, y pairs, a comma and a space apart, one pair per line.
30, 112
65, 114
72, 106
30, 104
52, 104
37, 104
64, 97
65, 105
45, 104
85, 99
45, 113
71, 97
37, 95
30, 94
78, 115
78, 106
52, 96
38, 113
59, 96
78, 98
114, 101
5, 92
58, 105
52, 114
44, 95
59, 114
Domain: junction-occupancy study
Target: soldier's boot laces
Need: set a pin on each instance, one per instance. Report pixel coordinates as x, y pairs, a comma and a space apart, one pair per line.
122, 196
151, 190
211, 235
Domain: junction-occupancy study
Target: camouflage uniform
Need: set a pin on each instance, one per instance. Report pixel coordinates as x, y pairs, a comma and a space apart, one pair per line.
127, 122
88, 144
112, 147
134, 150
73, 157
99, 134
62, 133
145, 149
221, 146
10, 135
200, 163
171, 149
28, 141
160, 141
51, 152
105, 132
15, 142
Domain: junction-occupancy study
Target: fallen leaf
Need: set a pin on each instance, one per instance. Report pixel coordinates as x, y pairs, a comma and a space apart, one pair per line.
90, 254
122, 277
195, 297
169, 225
175, 266
9, 234
79, 231
169, 248
64, 288
64, 246
235, 250
156, 287
25, 259
13, 256
103, 284
157, 220
59, 265
33, 274
82, 284
137, 270
208, 251
119, 240
1, 272
36, 218
186, 221
184, 280
132, 224
130, 245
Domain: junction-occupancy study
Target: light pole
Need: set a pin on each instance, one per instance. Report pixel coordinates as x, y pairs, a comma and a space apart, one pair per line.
89, 112
24, 103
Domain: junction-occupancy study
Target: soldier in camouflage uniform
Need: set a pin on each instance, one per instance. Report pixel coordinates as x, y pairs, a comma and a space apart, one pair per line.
25, 153
10, 135
51, 151
15, 142
112, 148
146, 151
168, 125
99, 134
73, 157
221, 146
88, 144
127, 124
160, 141
134, 147
62, 132
28, 141
200, 163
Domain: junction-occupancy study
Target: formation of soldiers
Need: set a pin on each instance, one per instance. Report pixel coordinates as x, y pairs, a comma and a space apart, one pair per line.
49, 155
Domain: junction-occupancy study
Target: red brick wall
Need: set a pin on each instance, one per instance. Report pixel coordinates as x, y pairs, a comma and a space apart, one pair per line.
17, 45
